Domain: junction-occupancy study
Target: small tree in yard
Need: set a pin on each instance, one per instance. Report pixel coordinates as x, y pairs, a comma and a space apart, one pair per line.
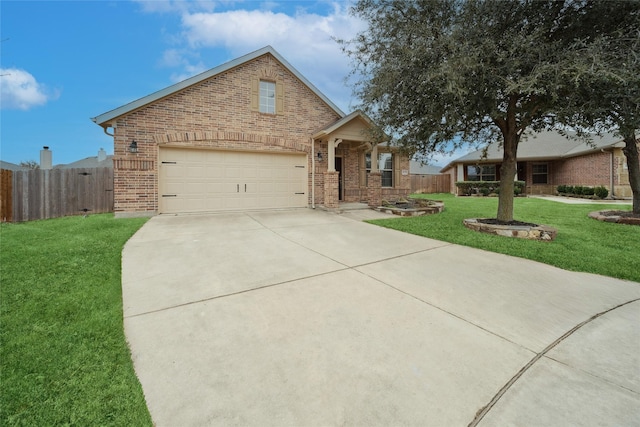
445, 73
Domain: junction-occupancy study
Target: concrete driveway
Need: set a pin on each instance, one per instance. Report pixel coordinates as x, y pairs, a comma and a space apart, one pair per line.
309, 318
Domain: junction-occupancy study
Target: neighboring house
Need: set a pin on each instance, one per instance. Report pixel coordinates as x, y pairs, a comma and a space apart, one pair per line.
11, 166
102, 160
416, 167
250, 134
548, 159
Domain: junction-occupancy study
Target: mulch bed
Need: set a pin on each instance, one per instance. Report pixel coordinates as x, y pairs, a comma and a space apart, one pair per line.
620, 217
625, 214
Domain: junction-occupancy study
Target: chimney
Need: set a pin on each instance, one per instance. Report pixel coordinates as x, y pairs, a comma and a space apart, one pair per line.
102, 155
46, 160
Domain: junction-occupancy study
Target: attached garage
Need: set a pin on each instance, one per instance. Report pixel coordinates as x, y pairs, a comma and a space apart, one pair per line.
197, 180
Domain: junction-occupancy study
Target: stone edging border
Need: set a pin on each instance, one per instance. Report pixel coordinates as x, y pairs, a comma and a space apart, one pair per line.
539, 232
601, 216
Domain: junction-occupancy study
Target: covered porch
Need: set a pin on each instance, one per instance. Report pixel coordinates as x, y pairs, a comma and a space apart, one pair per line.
343, 168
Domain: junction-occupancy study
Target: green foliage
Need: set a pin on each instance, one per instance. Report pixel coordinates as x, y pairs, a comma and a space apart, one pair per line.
484, 188
444, 73
64, 357
582, 244
579, 190
601, 192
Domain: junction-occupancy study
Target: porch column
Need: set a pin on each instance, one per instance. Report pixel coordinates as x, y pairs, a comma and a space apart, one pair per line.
331, 188
332, 145
374, 158
374, 188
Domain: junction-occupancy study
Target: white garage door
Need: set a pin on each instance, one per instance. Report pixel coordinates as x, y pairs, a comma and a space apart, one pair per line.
208, 180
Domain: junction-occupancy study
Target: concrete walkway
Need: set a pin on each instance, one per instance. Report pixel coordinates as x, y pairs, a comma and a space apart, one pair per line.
309, 318
580, 201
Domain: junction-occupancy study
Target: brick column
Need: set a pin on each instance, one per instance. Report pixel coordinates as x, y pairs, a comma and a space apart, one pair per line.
374, 189
331, 189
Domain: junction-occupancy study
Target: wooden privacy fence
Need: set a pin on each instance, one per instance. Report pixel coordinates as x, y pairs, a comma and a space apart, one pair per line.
5, 195
42, 194
430, 183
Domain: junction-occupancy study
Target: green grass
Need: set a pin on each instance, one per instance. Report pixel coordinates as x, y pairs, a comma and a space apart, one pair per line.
63, 353
582, 244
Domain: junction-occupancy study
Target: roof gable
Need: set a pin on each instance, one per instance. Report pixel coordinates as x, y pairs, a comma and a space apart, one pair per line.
105, 118
352, 127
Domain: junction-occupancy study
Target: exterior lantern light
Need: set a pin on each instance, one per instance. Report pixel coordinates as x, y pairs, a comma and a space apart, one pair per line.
133, 147
319, 156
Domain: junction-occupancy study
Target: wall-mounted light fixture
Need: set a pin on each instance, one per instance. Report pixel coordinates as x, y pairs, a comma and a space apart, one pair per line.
133, 147
319, 156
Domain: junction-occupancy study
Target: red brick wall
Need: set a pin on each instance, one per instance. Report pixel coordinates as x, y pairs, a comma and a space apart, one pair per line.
214, 113
589, 170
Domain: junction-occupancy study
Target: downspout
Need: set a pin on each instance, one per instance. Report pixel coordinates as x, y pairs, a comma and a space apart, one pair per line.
611, 160
313, 174
105, 130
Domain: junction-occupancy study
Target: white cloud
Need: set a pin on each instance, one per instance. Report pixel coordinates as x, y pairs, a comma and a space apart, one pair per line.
20, 90
306, 40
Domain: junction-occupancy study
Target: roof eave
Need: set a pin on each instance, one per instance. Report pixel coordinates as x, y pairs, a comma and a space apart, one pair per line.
105, 118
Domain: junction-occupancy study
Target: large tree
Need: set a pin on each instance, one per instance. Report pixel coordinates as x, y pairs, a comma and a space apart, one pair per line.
607, 79
441, 73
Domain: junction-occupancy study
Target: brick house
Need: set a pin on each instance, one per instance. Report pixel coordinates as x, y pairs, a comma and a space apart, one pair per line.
548, 159
249, 134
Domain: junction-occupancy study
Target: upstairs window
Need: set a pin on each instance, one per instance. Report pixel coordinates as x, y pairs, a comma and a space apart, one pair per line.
481, 173
267, 97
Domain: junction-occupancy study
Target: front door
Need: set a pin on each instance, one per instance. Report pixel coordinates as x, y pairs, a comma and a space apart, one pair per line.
338, 166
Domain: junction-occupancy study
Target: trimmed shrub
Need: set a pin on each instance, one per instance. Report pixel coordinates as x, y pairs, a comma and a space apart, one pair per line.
601, 192
577, 190
485, 188
587, 191
562, 189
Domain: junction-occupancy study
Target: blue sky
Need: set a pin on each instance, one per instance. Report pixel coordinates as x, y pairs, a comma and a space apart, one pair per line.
64, 62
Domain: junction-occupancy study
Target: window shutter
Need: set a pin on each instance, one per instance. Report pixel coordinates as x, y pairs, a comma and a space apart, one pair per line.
255, 94
279, 98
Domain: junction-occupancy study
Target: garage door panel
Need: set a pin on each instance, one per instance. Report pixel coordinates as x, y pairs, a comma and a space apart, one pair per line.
209, 180
174, 188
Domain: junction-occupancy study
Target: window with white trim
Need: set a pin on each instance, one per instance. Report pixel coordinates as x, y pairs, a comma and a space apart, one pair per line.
481, 173
385, 166
540, 173
267, 97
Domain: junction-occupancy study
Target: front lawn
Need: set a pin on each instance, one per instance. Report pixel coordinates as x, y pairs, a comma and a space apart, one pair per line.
63, 355
583, 244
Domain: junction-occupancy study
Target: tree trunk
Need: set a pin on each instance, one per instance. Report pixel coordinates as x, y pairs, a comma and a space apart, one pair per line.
508, 175
630, 150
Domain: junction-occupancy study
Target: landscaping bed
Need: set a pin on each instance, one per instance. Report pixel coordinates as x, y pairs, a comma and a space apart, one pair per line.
518, 229
617, 216
411, 207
